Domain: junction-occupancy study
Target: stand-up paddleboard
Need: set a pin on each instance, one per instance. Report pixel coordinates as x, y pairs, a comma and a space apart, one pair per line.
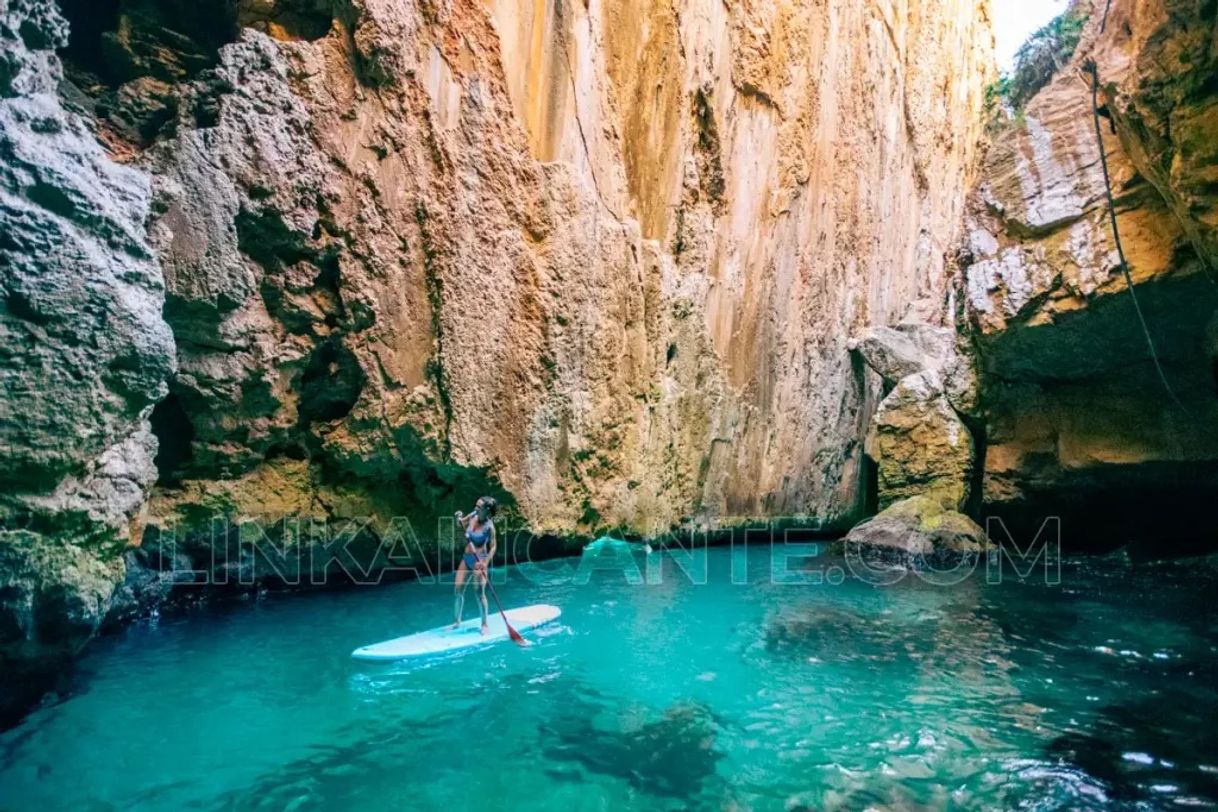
446, 638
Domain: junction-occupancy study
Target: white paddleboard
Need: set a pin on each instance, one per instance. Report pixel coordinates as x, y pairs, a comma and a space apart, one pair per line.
446, 638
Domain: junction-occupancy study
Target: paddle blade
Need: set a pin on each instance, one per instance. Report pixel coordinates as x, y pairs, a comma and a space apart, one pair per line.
516, 638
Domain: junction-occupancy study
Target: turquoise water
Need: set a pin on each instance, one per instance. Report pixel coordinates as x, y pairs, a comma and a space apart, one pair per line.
1096, 693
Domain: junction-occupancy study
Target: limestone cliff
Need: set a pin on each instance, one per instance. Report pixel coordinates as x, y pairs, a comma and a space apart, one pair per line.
601, 260
84, 355
607, 257
1079, 421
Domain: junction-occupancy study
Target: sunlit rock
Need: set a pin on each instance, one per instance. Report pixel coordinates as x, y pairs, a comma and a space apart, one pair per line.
920, 444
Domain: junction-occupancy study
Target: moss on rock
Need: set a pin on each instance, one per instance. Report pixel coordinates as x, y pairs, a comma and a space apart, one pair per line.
920, 525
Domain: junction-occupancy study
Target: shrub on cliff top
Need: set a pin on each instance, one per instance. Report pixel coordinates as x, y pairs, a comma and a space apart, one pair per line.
1045, 52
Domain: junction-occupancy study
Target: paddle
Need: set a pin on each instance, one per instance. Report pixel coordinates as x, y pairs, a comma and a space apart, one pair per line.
515, 635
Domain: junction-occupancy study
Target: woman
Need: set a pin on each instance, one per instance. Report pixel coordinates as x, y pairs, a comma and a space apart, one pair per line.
480, 543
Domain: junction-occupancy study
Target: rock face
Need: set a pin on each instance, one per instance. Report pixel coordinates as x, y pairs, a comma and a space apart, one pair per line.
85, 355
436, 251
918, 439
1078, 418
598, 261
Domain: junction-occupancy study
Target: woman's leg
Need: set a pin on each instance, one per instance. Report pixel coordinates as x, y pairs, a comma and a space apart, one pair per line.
482, 598
459, 594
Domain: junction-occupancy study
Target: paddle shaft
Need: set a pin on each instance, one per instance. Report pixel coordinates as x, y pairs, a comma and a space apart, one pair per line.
512, 633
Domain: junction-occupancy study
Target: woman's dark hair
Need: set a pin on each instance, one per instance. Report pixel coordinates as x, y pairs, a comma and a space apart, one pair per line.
492, 505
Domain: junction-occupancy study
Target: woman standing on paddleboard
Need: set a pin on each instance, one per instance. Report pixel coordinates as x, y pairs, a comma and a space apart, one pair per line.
479, 528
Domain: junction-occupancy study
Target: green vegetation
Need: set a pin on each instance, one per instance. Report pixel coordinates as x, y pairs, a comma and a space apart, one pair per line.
1038, 59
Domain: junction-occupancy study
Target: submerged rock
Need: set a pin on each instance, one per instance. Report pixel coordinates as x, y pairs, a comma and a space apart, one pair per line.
837, 635
920, 527
673, 756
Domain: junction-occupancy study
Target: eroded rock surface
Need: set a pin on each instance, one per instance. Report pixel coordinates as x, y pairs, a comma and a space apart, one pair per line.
1077, 411
475, 248
84, 355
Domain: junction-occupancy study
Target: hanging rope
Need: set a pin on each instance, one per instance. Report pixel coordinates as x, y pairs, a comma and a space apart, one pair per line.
1091, 68
1104, 22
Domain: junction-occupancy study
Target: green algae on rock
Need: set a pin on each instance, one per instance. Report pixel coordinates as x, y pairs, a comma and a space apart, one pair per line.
920, 526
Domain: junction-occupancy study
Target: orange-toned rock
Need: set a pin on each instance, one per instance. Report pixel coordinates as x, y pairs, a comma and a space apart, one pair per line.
1076, 408
604, 258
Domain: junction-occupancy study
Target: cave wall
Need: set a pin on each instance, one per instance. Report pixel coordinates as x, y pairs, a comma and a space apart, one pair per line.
605, 258
353, 259
1079, 422
84, 356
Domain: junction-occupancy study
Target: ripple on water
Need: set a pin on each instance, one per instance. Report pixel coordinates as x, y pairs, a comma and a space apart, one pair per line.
670, 696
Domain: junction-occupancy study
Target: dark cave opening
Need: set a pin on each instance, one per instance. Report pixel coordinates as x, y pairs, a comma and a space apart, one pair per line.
118, 41
126, 59
1151, 520
1085, 428
268, 240
175, 437
88, 21
869, 477
299, 20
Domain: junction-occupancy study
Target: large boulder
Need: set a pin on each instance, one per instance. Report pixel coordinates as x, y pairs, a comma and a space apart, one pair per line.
906, 349
920, 527
917, 437
920, 444
913, 347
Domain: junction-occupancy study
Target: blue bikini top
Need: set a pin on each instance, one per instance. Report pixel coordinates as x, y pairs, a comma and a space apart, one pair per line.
479, 537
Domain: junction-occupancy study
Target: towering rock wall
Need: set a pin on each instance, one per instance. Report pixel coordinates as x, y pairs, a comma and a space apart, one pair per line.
605, 259
601, 260
84, 355
1079, 420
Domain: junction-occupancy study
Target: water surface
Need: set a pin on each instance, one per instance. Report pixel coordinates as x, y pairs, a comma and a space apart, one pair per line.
1096, 693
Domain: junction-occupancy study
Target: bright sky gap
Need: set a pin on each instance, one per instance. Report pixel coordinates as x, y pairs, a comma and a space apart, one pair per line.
1016, 20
